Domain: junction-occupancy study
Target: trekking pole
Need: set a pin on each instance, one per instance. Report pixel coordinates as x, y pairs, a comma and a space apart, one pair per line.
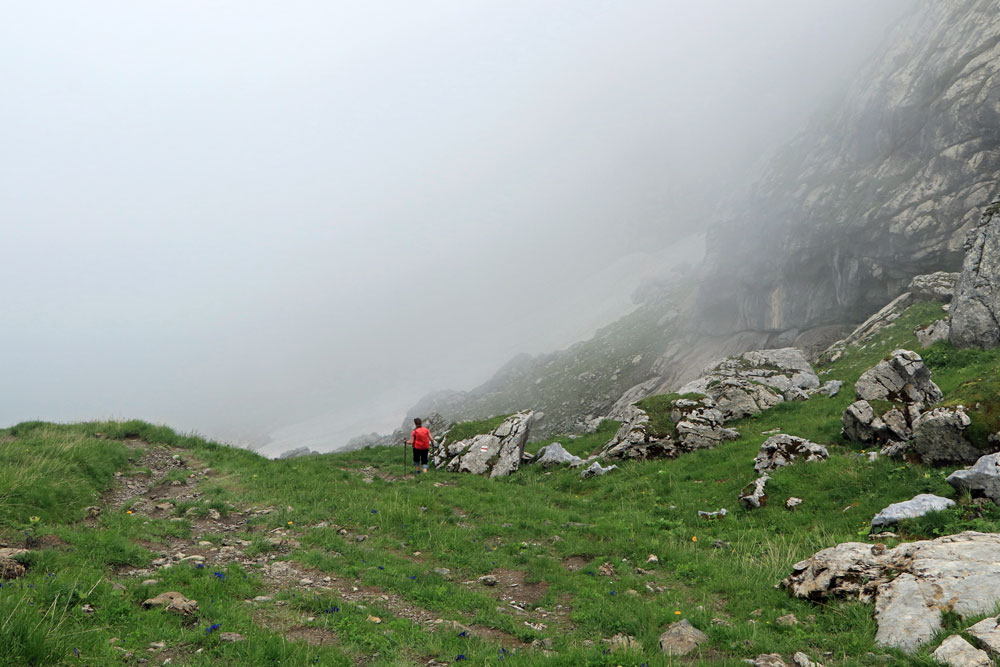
404, 458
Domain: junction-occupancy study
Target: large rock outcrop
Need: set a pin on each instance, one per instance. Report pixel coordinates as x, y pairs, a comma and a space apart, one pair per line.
496, 453
697, 424
634, 441
939, 437
975, 310
902, 378
747, 384
912, 585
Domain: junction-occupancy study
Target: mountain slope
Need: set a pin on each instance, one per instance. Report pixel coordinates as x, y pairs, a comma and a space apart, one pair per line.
358, 563
883, 186
880, 188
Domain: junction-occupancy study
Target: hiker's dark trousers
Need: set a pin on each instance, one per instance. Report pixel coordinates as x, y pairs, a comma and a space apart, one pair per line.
420, 456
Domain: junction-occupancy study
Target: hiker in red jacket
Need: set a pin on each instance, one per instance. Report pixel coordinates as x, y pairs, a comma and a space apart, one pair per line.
420, 440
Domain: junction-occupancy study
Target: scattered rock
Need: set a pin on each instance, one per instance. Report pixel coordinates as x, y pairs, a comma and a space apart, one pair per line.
624, 643
769, 660
932, 333
595, 470
606, 570
795, 394
987, 634
230, 637
980, 480
681, 638
939, 437
792, 503
787, 620
172, 601
488, 580
908, 582
802, 660
555, 454
975, 308
782, 449
374, 619
709, 516
10, 569
830, 388
651, 558
918, 506
957, 652
753, 495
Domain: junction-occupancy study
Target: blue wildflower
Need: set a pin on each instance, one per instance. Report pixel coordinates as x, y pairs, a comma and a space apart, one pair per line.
331, 610
460, 656
212, 628
220, 575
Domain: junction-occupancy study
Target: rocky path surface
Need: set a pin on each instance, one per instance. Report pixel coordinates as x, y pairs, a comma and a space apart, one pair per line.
219, 539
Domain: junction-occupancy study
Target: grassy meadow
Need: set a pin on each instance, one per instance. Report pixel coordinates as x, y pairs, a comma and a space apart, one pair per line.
570, 555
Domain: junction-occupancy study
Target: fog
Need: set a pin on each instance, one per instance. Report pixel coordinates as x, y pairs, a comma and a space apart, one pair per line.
281, 220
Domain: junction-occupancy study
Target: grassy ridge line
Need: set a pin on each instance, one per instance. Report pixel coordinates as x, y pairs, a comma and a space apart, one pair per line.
533, 522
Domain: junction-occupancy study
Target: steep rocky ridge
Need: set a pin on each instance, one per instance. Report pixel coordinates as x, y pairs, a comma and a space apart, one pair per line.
882, 187
879, 189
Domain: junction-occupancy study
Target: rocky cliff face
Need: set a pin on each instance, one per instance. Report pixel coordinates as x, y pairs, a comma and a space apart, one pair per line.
880, 189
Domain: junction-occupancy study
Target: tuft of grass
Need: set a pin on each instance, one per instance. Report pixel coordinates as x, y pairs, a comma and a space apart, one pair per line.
970, 378
47, 472
470, 429
659, 408
580, 445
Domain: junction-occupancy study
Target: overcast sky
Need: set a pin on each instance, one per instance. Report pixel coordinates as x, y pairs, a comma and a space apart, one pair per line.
234, 217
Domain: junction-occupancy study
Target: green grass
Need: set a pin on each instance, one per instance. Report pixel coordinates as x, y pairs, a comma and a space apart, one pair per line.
659, 408
970, 378
470, 429
580, 445
534, 524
